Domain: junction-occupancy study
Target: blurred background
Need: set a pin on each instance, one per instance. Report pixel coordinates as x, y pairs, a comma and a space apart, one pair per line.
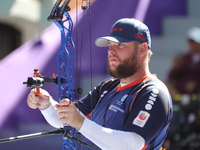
28, 41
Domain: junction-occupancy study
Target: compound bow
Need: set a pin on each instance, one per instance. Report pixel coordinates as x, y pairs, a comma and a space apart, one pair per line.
65, 60
65, 73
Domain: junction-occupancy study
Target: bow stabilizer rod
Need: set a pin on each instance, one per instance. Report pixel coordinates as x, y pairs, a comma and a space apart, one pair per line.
52, 132
33, 135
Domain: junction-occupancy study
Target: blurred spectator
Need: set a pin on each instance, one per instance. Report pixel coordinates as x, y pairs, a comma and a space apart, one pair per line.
184, 77
184, 85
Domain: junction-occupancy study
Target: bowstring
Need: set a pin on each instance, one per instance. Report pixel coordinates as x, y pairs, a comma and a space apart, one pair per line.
78, 74
84, 7
79, 56
91, 61
79, 52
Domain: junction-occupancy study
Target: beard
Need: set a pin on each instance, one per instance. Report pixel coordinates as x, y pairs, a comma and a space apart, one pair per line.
126, 68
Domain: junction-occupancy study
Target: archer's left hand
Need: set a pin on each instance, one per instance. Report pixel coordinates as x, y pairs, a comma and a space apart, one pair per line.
68, 113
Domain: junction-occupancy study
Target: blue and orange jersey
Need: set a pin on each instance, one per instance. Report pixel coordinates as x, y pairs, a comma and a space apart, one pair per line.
143, 106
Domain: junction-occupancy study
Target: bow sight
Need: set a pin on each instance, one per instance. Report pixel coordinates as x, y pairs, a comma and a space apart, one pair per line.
38, 81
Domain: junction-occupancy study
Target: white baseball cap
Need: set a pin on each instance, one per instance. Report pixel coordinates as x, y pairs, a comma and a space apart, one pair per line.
194, 34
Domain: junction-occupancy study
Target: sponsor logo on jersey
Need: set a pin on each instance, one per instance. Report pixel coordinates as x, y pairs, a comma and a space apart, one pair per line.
115, 108
121, 101
152, 99
141, 118
124, 97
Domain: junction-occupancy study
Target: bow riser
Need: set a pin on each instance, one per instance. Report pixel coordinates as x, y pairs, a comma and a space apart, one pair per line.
65, 60
65, 69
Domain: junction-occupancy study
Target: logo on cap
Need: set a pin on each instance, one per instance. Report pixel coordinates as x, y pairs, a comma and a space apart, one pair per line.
140, 36
117, 29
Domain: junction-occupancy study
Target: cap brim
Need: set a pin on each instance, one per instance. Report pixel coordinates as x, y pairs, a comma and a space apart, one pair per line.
103, 41
194, 34
195, 38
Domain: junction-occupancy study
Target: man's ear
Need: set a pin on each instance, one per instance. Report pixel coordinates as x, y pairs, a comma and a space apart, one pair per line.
143, 49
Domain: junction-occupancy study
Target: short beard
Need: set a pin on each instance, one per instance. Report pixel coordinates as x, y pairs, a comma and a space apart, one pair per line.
126, 68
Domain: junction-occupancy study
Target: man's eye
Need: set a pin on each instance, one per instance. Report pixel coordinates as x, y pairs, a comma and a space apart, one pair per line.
120, 44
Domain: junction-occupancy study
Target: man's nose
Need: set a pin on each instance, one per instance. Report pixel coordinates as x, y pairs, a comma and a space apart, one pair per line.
111, 50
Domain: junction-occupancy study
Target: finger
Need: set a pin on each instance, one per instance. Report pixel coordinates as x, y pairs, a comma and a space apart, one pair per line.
31, 104
61, 109
57, 105
65, 102
43, 93
62, 115
33, 98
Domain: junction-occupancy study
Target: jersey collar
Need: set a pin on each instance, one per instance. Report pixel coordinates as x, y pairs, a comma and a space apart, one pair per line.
119, 88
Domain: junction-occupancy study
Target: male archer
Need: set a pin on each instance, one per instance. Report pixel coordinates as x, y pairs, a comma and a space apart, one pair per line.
131, 110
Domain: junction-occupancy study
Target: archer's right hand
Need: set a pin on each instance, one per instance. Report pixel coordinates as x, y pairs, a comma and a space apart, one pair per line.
41, 101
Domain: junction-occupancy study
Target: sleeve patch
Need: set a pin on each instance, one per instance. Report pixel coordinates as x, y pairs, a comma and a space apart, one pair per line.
141, 118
